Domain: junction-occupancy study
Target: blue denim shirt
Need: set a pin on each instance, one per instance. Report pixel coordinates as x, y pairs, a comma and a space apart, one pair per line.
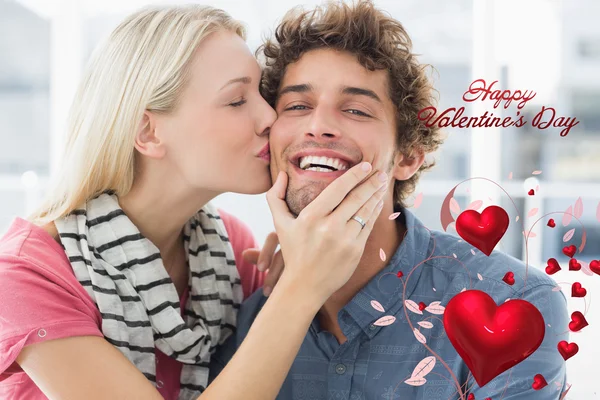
375, 361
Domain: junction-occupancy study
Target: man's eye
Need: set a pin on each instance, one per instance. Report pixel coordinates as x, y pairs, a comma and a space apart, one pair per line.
358, 112
238, 103
292, 108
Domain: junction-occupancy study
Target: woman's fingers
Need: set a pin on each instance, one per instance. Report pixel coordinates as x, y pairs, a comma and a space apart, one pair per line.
251, 255
365, 213
274, 273
276, 199
360, 196
266, 254
337, 190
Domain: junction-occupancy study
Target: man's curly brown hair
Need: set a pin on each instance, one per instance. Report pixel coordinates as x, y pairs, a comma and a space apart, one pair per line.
378, 42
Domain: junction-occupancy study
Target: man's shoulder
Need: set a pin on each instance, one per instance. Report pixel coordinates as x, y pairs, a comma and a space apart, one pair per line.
454, 256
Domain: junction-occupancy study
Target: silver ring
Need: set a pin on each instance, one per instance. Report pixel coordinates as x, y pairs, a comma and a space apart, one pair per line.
359, 220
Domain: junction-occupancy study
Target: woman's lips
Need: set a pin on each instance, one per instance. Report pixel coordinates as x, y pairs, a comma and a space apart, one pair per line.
265, 153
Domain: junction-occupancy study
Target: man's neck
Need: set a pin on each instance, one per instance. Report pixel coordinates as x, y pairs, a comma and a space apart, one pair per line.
387, 236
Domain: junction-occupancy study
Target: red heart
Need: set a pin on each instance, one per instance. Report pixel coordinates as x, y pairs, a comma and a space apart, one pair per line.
509, 278
539, 382
422, 306
400, 274
551, 223
531, 192
471, 396
491, 339
483, 230
577, 290
567, 350
553, 266
574, 265
578, 321
569, 251
595, 266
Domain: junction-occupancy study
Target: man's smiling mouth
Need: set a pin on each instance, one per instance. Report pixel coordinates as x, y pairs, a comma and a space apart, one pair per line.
322, 164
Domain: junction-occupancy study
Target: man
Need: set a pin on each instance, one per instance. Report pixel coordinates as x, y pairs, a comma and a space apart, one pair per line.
347, 88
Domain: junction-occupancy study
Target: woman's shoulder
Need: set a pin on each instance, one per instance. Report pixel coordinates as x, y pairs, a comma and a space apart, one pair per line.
27, 242
236, 228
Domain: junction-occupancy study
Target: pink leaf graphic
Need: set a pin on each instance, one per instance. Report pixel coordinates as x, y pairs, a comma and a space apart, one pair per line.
377, 305
472, 251
434, 289
556, 289
394, 216
531, 234
476, 205
507, 300
425, 324
412, 306
415, 381
585, 268
564, 394
418, 200
578, 208
464, 289
536, 172
423, 367
385, 320
382, 254
569, 235
479, 276
532, 212
454, 255
517, 219
435, 308
567, 216
454, 206
510, 175
419, 336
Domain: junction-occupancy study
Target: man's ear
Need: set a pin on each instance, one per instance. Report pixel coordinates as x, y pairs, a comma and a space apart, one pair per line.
147, 142
406, 166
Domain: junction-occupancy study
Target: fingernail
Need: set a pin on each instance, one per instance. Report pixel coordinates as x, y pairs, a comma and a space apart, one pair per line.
266, 291
382, 176
366, 167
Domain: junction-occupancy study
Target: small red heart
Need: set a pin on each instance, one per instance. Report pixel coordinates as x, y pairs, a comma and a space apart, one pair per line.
578, 321
531, 192
567, 350
422, 306
574, 265
595, 266
509, 278
539, 382
569, 251
471, 396
551, 223
483, 230
577, 290
400, 274
553, 266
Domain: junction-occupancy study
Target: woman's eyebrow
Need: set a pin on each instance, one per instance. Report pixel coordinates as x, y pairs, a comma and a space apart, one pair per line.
244, 79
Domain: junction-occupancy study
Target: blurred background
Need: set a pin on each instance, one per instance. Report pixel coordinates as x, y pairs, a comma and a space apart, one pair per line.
551, 47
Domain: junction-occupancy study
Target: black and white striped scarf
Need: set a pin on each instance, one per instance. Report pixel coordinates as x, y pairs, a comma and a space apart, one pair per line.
124, 274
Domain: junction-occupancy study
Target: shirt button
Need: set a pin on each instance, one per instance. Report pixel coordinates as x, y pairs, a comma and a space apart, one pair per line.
372, 327
42, 333
340, 369
159, 384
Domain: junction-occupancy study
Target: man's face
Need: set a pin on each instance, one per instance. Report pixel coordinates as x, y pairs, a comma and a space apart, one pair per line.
332, 114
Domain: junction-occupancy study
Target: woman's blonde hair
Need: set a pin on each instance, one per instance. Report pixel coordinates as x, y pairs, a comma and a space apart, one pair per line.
143, 65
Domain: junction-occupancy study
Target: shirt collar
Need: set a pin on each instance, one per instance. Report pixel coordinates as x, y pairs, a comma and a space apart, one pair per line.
385, 287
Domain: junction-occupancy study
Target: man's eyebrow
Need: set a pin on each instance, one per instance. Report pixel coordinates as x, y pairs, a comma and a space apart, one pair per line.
302, 88
361, 92
244, 79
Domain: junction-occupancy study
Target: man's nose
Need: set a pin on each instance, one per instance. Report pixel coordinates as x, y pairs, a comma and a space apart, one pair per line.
322, 125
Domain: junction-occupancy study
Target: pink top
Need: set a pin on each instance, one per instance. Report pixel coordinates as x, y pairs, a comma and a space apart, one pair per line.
40, 299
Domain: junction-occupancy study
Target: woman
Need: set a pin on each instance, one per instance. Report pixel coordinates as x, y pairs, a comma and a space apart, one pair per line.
124, 282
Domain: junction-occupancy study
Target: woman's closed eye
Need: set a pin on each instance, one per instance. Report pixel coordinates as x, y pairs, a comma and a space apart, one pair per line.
239, 103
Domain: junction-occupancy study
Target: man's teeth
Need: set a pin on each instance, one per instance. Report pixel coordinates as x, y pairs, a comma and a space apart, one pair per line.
316, 163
